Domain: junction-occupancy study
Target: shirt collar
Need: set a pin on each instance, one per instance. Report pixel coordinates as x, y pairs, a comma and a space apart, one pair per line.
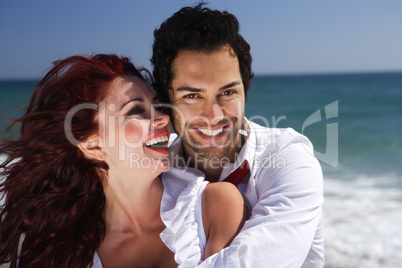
246, 152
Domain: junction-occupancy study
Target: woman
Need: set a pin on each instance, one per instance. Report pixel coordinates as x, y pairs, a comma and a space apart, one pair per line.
82, 183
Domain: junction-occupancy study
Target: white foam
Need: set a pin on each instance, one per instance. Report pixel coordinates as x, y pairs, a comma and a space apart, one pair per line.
363, 223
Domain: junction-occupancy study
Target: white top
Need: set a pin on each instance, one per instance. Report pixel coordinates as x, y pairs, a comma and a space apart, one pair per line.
285, 192
181, 211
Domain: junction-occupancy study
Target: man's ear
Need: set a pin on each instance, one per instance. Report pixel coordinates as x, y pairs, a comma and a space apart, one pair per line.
92, 150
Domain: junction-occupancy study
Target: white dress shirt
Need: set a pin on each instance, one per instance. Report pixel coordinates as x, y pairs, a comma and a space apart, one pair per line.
285, 195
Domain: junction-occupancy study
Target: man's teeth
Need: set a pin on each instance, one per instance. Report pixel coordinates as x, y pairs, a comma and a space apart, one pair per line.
210, 132
157, 140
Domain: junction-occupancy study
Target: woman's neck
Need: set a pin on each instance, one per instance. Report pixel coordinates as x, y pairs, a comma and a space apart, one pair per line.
132, 204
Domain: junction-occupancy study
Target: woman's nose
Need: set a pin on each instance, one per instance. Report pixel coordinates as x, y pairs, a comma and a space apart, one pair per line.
159, 118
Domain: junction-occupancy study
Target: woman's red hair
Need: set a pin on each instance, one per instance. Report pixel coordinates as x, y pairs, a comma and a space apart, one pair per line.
53, 195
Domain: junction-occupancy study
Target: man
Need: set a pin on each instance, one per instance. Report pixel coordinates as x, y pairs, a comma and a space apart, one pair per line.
203, 67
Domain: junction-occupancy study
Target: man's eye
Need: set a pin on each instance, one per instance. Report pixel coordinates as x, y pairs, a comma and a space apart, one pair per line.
228, 92
190, 96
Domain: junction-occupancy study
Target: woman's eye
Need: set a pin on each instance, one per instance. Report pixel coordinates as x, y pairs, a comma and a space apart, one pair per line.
162, 107
136, 110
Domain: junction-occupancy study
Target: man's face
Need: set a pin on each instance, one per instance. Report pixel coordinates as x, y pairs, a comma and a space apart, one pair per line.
208, 94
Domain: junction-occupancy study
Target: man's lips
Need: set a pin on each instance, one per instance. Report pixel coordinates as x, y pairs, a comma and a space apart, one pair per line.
215, 133
210, 132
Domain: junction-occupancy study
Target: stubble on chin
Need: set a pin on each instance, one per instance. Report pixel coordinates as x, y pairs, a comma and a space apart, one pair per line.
214, 151
208, 152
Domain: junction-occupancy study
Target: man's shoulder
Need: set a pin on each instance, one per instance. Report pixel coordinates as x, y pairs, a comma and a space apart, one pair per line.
266, 138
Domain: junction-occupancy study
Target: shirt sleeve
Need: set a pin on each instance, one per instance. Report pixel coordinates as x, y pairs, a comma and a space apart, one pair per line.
285, 219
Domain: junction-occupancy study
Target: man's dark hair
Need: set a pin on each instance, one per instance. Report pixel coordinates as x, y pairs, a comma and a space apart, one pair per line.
196, 29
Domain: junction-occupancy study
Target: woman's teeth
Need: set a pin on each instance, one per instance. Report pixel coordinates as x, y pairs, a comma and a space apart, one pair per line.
157, 140
210, 132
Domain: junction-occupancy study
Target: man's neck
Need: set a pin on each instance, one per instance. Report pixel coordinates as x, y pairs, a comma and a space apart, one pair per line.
212, 167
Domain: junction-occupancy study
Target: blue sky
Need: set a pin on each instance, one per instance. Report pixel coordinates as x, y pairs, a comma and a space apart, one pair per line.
286, 37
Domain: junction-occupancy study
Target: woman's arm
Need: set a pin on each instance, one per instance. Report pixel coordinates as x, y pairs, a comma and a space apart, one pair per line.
224, 214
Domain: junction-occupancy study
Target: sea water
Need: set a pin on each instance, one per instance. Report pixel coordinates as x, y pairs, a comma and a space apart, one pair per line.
363, 189
355, 124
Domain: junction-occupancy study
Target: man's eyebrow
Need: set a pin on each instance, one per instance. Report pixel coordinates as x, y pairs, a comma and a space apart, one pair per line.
232, 84
190, 89
195, 90
124, 104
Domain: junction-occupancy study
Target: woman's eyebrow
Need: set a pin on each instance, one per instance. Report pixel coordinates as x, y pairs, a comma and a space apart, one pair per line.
124, 104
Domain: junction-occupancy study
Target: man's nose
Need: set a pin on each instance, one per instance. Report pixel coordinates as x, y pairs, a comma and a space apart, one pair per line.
213, 111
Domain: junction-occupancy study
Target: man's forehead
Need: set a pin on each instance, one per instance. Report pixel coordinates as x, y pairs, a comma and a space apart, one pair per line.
195, 59
192, 52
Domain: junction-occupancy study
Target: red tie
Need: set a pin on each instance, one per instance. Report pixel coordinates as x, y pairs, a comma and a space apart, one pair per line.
236, 176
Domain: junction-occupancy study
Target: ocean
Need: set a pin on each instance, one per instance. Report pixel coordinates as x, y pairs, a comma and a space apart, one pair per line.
355, 124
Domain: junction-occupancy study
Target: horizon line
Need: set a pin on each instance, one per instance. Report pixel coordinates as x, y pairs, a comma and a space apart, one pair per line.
307, 73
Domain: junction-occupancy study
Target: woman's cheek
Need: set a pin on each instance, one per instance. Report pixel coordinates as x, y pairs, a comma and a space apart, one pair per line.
134, 133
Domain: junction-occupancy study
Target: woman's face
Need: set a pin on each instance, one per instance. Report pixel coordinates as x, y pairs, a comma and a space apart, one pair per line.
133, 133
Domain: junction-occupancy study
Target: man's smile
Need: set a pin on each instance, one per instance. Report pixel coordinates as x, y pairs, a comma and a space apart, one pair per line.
210, 132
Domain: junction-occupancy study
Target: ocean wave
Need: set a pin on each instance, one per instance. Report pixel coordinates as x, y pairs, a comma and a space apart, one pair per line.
363, 222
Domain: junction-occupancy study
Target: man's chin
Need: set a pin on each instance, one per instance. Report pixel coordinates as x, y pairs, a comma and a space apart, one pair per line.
212, 153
